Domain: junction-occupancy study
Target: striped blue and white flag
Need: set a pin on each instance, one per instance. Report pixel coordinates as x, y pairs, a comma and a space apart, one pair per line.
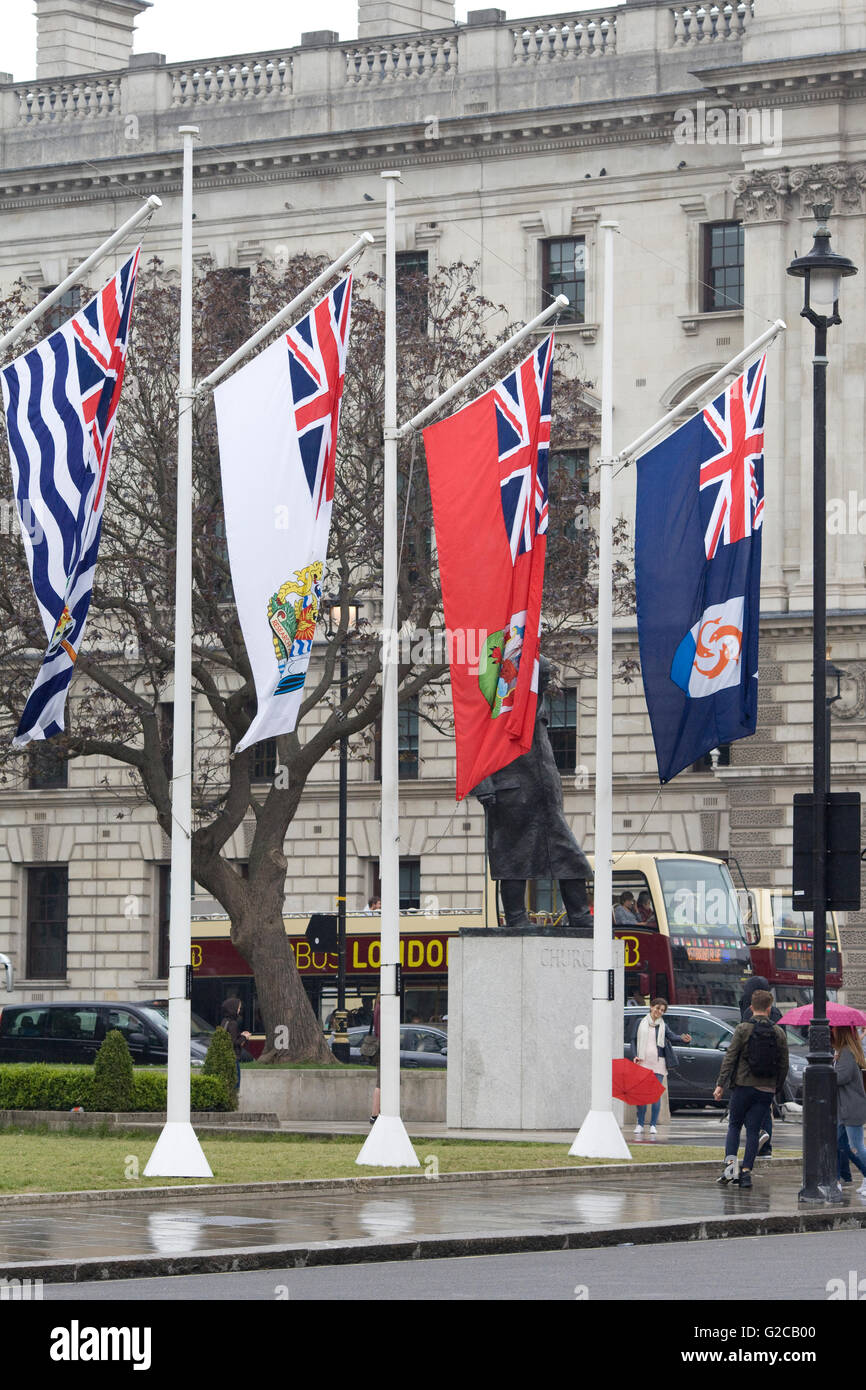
60, 401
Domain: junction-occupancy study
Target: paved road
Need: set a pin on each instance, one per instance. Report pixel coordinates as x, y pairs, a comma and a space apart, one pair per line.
777, 1268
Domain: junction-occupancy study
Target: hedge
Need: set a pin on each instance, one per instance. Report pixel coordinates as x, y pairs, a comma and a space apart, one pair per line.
39, 1086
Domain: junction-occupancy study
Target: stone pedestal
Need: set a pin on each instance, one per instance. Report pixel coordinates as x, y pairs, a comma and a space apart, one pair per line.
519, 1023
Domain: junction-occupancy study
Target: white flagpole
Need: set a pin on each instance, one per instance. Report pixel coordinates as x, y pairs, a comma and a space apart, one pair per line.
388, 1145
209, 382
556, 307
143, 214
702, 392
600, 1135
178, 1153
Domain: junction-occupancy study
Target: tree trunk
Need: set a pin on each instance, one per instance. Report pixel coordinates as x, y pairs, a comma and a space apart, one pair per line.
292, 1031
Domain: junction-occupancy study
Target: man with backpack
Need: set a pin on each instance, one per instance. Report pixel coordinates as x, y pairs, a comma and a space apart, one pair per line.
755, 1067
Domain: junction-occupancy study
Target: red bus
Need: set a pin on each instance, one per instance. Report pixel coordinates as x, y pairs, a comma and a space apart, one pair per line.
684, 935
782, 949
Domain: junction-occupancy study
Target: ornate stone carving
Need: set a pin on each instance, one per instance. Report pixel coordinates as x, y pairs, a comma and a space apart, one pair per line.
852, 691
842, 185
761, 195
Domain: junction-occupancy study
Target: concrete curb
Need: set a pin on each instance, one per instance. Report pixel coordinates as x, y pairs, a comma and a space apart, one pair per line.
366, 1251
361, 1183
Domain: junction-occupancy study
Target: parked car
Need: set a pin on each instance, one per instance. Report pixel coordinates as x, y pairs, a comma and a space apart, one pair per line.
699, 1062
420, 1045
74, 1032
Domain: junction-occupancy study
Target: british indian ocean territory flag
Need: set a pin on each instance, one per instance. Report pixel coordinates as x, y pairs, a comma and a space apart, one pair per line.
277, 420
60, 401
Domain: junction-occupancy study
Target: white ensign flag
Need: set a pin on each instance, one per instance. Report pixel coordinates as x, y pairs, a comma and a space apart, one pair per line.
277, 420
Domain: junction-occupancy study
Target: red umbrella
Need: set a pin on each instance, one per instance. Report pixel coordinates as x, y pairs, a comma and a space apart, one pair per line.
838, 1015
633, 1084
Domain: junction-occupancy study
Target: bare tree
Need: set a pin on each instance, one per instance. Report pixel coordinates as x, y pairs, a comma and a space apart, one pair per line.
117, 706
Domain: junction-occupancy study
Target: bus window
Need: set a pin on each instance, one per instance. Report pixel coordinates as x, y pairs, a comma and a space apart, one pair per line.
632, 902
791, 921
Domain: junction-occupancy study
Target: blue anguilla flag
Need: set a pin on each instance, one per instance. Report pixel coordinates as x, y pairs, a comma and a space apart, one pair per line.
700, 506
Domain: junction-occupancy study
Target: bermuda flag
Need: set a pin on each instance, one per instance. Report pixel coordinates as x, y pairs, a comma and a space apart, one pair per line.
60, 400
277, 420
488, 481
700, 507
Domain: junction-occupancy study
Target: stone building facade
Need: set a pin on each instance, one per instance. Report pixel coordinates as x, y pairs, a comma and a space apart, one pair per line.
515, 139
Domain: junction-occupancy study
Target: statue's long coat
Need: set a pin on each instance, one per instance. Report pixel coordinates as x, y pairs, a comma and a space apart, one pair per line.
527, 833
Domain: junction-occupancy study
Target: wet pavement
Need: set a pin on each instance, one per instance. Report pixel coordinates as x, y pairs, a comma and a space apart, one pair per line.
699, 1127
98, 1237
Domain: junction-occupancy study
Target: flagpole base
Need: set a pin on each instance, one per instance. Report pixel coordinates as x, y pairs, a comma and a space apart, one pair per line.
600, 1137
388, 1146
178, 1154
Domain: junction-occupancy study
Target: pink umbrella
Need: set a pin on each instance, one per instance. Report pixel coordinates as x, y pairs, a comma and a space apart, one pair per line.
838, 1015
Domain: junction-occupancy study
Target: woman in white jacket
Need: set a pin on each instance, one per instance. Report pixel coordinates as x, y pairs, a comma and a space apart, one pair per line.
652, 1037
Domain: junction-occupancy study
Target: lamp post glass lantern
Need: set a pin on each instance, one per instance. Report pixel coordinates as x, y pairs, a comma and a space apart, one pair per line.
340, 1046
822, 272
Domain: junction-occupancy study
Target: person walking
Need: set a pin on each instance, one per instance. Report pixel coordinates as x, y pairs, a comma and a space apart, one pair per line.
765, 1138
653, 1050
755, 1068
851, 1114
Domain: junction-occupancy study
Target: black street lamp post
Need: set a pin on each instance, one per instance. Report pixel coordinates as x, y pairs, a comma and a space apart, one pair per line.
822, 271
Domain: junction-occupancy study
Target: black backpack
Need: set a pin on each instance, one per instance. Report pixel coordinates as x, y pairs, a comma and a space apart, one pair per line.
762, 1050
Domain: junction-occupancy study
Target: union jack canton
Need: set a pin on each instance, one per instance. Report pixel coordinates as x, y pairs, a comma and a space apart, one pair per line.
738, 428
523, 401
317, 366
60, 401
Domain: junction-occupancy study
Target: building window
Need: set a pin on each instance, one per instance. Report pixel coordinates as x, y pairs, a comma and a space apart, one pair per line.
707, 763
410, 883
564, 272
407, 743
723, 266
164, 921
264, 761
47, 768
407, 740
411, 288
562, 728
47, 922
228, 292
568, 485
67, 305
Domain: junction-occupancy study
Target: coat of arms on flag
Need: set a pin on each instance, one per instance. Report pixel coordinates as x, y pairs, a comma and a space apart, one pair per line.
700, 508
488, 468
60, 401
278, 419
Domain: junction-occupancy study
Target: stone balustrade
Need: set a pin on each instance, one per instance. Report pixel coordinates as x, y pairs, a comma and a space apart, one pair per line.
394, 60
327, 84
550, 40
705, 24
247, 78
91, 97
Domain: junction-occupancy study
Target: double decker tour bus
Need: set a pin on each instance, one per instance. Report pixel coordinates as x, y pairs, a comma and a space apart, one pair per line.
782, 937
219, 970
684, 935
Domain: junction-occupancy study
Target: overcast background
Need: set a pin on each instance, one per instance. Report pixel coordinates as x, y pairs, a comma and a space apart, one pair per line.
214, 28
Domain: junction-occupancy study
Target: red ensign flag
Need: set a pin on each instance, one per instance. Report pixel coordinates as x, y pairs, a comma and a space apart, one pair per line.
488, 481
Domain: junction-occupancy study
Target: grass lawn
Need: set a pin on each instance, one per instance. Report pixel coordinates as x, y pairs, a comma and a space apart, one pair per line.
34, 1162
